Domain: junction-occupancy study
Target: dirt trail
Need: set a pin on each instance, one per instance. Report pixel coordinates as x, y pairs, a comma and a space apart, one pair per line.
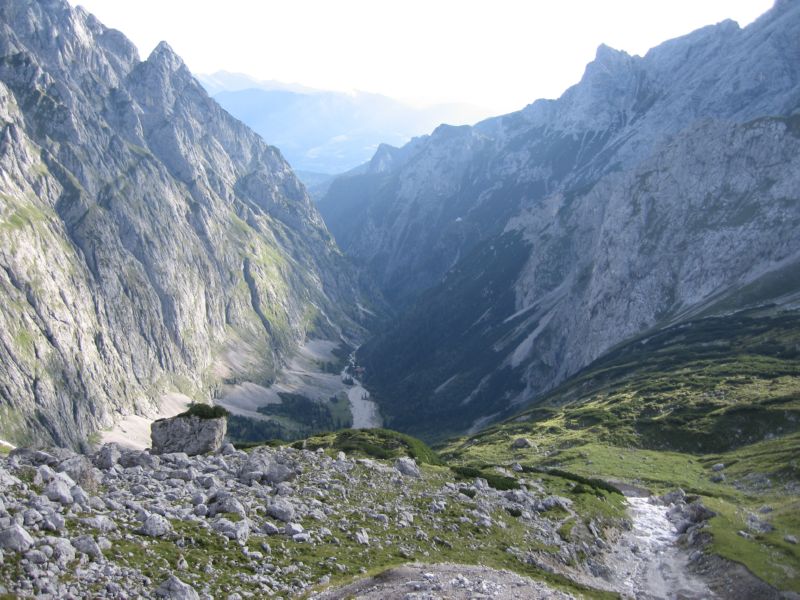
428, 582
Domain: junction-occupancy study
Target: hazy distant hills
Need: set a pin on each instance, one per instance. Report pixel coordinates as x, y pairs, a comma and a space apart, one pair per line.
323, 131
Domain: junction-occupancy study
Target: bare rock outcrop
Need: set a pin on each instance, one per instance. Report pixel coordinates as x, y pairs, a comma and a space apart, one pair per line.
187, 433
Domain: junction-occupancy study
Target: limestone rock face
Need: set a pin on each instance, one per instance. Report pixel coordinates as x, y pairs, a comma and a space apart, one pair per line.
147, 236
190, 434
521, 249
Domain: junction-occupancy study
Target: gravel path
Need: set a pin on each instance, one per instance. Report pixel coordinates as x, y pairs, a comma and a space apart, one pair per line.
432, 582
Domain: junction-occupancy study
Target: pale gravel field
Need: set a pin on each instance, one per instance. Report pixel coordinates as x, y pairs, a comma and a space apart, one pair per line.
133, 431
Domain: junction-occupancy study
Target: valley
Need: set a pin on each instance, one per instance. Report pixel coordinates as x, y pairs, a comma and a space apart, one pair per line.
320, 374
555, 354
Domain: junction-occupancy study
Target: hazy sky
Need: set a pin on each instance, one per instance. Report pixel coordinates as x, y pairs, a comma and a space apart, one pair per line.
500, 54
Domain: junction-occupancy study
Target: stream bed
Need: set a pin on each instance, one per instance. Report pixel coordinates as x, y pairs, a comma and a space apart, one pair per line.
647, 562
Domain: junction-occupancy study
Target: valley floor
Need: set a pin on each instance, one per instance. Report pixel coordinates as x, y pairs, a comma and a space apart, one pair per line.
307, 375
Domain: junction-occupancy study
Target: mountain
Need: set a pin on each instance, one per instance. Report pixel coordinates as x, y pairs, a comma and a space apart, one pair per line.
657, 189
327, 132
150, 241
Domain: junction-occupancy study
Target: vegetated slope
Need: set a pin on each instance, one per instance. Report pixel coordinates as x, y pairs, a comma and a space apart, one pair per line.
663, 409
149, 242
525, 247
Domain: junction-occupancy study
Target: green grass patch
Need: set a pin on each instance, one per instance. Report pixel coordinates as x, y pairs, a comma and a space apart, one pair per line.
376, 443
205, 411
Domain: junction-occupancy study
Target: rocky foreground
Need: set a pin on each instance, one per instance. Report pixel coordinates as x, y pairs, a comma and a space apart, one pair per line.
284, 522
290, 521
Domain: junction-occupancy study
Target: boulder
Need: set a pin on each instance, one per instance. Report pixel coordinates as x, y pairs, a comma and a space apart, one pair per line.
521, 442
58, 491
15, 538
238, 531
174, 589
407, 466
156, 526
87, 545
108, 456
190, 434
281, 509
81, 470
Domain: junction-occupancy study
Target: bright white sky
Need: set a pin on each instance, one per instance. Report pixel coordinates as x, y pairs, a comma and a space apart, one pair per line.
500, 54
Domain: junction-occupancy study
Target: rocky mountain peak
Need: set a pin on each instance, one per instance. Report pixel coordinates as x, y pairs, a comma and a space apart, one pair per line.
145, 232
448, 218
166, 58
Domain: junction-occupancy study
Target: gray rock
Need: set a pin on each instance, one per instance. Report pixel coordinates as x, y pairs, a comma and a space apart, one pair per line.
87, 545
174, 589
407, 466
718, 467
238, 531
100, 522
63, 550
15, 538
362, 537
758, 525
281, 509
225, 502
791, 539
108, 456
278, 473
79, 495
270, 528
37, 557
81, 470
156, 526
138, 458
53, 521
58, 491
521, 443
293, 528
188, 434
551, 502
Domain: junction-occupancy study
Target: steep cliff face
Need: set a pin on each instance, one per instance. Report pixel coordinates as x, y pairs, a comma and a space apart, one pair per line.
656, 188
413, 219
149, 240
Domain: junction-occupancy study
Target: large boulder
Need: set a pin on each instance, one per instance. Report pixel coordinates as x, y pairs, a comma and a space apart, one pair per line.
15, 538
175, 589
187, 433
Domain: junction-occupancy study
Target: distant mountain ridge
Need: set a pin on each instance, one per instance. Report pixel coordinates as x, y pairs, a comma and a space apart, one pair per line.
521, 249
150, 241
323, 131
